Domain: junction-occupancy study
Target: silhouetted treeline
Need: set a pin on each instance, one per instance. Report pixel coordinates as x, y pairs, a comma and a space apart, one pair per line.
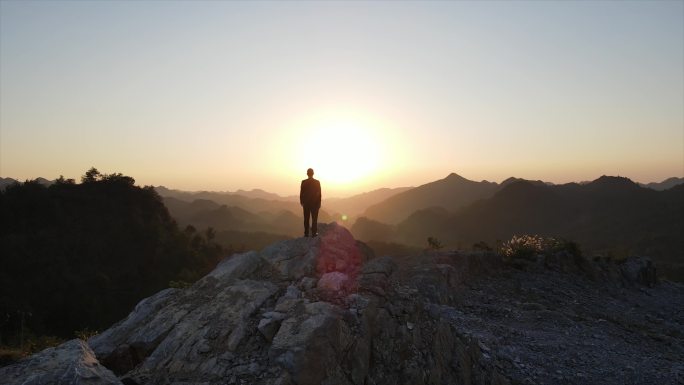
78, 256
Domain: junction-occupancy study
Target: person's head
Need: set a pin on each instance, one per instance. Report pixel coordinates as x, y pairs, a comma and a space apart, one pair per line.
309, 172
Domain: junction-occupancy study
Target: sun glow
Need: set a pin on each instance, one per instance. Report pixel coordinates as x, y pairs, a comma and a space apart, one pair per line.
342, 152
350, 150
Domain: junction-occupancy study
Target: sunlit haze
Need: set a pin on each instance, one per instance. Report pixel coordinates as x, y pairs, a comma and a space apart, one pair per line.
238, 95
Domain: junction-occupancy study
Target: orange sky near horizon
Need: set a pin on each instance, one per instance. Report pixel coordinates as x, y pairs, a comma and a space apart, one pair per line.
222, 96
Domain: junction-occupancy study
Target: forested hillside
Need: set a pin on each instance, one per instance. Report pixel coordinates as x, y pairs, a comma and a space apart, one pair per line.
78, 256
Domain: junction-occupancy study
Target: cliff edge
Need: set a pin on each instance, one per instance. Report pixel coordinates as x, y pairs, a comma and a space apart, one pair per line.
325, 310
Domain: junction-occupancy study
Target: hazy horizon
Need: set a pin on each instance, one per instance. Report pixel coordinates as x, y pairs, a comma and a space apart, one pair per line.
222, 96
295, 191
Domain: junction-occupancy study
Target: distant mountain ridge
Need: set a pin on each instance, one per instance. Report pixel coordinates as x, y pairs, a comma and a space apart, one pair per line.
219, 195
451, 193
4, 182
232, 213
357, 204
664, 185
262, 194
609, 213
349, 206
243, 216
455, 192
254, 205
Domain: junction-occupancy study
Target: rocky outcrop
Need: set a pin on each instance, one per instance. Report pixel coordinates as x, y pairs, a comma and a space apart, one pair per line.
325, 311
72, 363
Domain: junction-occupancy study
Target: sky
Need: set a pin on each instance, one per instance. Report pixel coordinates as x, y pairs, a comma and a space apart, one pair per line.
226, 95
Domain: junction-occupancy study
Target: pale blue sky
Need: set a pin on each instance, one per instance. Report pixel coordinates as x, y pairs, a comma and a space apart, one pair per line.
223, 95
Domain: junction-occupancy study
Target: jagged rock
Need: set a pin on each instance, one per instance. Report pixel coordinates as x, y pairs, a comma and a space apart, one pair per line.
334, 281
639, 270
384, 265
292, 292
307, 283
324, 311
71, 363
340, 252
292, 259
212, 314
375, 275
237, 266
436, 318
307, 344
124, 345
269, 326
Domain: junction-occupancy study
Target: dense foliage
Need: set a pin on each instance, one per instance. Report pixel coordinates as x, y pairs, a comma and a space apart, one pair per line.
79, 256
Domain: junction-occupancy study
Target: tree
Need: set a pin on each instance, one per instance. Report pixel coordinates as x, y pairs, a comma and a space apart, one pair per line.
118, 178
91, 176
61, 180
210, 234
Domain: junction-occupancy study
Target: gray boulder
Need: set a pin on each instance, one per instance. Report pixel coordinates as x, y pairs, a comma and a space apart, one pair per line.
639, 270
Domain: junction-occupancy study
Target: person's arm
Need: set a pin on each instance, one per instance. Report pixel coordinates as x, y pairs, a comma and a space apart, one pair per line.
318, 193
301, 194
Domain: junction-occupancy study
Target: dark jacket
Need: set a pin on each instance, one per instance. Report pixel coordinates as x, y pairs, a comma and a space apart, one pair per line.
310, 193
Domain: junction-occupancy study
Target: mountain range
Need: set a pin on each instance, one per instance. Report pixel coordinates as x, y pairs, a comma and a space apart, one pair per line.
664, 185
259, 200
451, 193
610, 215
244, 214
219, 196
331, 309
4, 182
252, 220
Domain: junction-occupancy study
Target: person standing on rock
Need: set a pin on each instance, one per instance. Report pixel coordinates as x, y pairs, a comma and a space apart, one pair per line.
310, 199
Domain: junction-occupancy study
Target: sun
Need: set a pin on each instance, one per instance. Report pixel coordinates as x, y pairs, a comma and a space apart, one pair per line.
341, 152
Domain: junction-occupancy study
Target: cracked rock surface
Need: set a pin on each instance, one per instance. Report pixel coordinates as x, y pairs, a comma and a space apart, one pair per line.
324, 310
69, 363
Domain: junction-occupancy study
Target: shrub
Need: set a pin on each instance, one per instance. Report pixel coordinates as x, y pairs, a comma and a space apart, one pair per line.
434, 243
481, 246
180, 284
529, 246
10, 355
85, 333
524, 246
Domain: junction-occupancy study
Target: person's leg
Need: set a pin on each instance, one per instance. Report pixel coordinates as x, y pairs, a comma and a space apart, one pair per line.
314, 224
307, 212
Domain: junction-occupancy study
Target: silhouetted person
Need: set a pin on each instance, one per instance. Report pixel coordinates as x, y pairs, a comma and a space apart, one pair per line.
310, 199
